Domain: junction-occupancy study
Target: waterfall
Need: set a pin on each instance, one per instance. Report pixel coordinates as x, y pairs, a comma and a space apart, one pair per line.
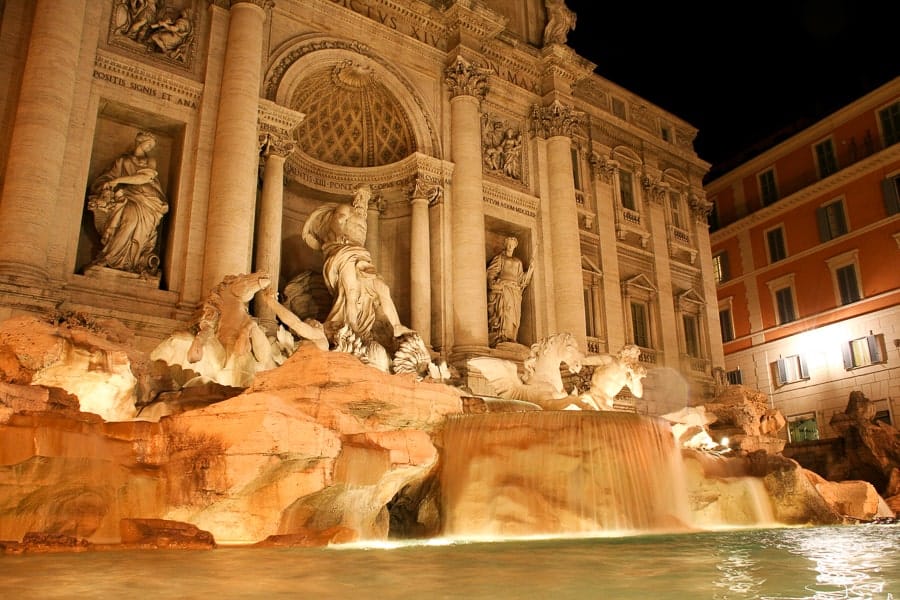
560, 472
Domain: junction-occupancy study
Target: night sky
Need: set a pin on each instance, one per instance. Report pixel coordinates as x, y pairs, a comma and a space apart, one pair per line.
744, 74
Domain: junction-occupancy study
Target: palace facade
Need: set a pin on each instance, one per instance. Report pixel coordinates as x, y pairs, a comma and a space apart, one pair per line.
805, 244
472, 121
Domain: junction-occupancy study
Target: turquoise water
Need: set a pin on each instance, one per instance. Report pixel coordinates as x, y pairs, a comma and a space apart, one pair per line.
861, 561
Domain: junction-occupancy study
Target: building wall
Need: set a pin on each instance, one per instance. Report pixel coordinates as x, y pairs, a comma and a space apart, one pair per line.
824, 326
657, 251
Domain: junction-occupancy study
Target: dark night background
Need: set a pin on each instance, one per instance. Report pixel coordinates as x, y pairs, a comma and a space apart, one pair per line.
747, 75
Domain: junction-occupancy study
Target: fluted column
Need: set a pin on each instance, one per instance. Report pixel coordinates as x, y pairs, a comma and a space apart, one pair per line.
38, 144
467, 84
555, 123
373, 227
421, 197
268, 240
232, 190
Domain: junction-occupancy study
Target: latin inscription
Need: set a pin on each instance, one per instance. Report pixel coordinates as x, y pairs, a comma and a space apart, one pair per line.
364, 8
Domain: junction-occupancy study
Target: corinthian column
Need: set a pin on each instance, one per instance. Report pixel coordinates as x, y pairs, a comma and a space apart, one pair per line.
468, 85
235, 158
556, 123
268, 241
38, 144
422, 195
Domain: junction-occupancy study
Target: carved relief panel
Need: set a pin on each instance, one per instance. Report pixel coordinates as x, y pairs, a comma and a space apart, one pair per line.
502, 147
161, 29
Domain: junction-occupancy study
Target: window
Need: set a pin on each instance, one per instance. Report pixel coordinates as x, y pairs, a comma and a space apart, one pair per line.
626, 189
845, 277
713, 217
825, 159
734, 377
775, 244
832, 221
784, 301
890, 123
803, 428
848, 288
640, 323
864, 351
720, 267
665, 133
576, 169
767, 192
790, 369
676, 210
691, 335
618, 108
727, 324
890, 187
592, 328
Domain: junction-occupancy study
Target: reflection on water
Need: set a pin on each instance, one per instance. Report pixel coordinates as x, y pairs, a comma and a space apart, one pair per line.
811, 563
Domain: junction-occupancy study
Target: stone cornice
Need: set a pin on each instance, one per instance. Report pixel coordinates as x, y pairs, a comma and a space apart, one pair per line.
417, 20
822, 187
277, 119
508, 199
144, 79
470, 21
342, 180
566, 63
513, 64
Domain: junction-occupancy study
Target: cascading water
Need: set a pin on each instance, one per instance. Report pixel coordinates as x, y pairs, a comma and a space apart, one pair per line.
561, 472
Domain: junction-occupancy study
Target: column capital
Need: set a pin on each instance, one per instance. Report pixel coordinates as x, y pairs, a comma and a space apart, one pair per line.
464, 78
421, 189
555, 119
700, 206
605, 167
271, 144
656, 188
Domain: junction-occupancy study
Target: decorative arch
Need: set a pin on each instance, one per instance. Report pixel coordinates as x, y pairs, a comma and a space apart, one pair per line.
310, 59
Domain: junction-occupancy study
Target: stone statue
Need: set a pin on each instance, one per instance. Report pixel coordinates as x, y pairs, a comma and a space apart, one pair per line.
139, 16
128, 203
506, 280
542, 382
172, 35
612, 373
560, 21
360, 294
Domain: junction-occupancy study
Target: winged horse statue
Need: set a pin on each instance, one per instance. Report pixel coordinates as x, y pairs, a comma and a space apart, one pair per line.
541, 383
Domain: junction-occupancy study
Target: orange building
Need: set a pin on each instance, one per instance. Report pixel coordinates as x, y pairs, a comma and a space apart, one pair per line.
806, 249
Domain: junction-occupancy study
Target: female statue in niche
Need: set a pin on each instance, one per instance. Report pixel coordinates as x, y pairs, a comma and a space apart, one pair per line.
506, 281
128, 203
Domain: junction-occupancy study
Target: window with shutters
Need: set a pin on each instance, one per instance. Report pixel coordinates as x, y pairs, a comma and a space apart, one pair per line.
864, 351
721, 270
726, 323
825, 158
890, 188
734, 377
790, 369
845, 277
832, 220
784, 304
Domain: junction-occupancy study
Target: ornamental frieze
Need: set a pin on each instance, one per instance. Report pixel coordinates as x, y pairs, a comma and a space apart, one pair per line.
400, 18
164, 30
146, 80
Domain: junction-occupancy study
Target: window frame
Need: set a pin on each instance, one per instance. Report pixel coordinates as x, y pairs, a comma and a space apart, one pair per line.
776, 289
842, 261
876, 351
831, 218
783, 243
790, 369
768, 187
825, 157
890, 189
721, 268
622, 189
798, 418
889, 123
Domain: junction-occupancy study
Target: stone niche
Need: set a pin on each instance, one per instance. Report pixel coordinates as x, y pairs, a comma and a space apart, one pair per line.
114, 135
496, 233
